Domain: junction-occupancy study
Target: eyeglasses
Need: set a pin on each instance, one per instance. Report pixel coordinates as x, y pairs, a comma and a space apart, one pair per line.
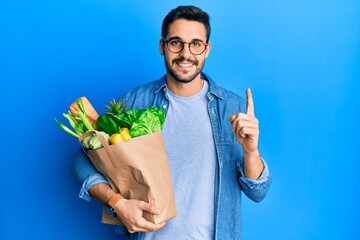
196, 47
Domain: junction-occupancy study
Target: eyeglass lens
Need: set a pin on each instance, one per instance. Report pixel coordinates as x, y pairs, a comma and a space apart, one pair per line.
195, 47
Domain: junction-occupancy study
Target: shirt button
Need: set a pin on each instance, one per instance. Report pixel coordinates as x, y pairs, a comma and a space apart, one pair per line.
164, 106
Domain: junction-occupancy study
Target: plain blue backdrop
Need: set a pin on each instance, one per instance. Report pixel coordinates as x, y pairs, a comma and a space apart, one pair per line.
301, 59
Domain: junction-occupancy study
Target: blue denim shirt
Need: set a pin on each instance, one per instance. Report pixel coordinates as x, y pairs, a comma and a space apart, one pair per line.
230, 181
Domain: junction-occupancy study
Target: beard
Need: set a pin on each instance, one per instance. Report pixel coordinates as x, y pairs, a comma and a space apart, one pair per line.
183, 76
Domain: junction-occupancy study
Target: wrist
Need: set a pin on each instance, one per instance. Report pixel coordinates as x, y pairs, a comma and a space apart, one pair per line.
111, 205
114, 199
109, 194
253, 165
255, 154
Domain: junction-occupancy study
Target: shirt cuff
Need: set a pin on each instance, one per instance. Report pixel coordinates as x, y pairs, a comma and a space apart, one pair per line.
89, 183
254, 183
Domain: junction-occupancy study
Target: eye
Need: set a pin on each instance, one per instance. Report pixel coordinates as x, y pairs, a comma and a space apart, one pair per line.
196, 44
175, 42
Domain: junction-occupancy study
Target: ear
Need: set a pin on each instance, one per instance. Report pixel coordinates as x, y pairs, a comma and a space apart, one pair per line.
207, 51
161, 47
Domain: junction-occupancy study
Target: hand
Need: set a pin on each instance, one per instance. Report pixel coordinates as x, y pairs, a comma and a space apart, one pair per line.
130, 214
246, 126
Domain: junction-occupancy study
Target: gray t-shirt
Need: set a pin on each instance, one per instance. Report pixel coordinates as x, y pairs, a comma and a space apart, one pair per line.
192, 158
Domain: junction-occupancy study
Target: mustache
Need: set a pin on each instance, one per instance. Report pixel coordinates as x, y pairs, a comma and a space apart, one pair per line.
182, 59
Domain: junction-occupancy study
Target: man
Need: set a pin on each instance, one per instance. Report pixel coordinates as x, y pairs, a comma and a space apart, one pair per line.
211, 139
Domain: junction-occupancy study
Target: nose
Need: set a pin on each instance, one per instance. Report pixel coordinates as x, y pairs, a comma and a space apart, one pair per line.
185, 52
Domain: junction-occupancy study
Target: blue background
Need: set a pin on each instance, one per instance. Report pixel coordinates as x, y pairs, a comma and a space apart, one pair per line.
301, 59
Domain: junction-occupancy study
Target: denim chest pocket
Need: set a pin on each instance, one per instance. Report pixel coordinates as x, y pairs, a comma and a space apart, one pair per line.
229, 137
231, 148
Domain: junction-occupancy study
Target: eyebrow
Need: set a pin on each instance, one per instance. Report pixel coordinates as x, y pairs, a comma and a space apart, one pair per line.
179, 38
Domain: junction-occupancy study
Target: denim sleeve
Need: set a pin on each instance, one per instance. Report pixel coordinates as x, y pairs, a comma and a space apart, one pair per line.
85, 174
256, 189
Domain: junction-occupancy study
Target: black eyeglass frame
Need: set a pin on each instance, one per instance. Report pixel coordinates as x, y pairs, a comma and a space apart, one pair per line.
183, 45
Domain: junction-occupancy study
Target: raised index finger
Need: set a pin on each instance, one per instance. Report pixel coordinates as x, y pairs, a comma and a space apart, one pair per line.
249, 103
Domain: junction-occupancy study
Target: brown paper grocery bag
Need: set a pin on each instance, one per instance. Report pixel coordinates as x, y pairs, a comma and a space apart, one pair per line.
138, 169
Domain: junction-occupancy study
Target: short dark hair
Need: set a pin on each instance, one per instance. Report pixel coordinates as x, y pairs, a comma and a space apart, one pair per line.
189, 13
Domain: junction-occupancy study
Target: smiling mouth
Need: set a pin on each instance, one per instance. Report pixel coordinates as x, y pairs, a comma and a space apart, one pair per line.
185, 65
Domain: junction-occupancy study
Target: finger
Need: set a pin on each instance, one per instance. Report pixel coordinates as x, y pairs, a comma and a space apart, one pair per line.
241, 116
249, 103
244, 124
249, 132
239, 123
147, 226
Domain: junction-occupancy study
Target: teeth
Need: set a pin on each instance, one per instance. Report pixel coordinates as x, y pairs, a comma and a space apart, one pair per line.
185, 64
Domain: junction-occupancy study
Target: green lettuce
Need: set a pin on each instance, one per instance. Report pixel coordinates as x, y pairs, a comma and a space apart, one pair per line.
149, 121
127, 118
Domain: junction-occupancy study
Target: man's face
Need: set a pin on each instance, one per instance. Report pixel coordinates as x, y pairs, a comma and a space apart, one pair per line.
184, 66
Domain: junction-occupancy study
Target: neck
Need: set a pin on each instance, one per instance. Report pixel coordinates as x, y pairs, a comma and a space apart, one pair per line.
184, 89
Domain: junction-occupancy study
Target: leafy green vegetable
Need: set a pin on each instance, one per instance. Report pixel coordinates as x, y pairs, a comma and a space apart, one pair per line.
85, 120
107, 124
86, 141
151, 120
66, 129
93, 141
140, 122
127, 118
79, 128
81, 105
80, 124
71, 119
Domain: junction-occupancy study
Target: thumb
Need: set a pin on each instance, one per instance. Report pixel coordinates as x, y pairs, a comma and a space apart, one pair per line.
232, 117
150, 208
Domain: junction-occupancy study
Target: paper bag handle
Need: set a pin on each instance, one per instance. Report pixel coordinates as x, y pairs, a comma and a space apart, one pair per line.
104, 143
